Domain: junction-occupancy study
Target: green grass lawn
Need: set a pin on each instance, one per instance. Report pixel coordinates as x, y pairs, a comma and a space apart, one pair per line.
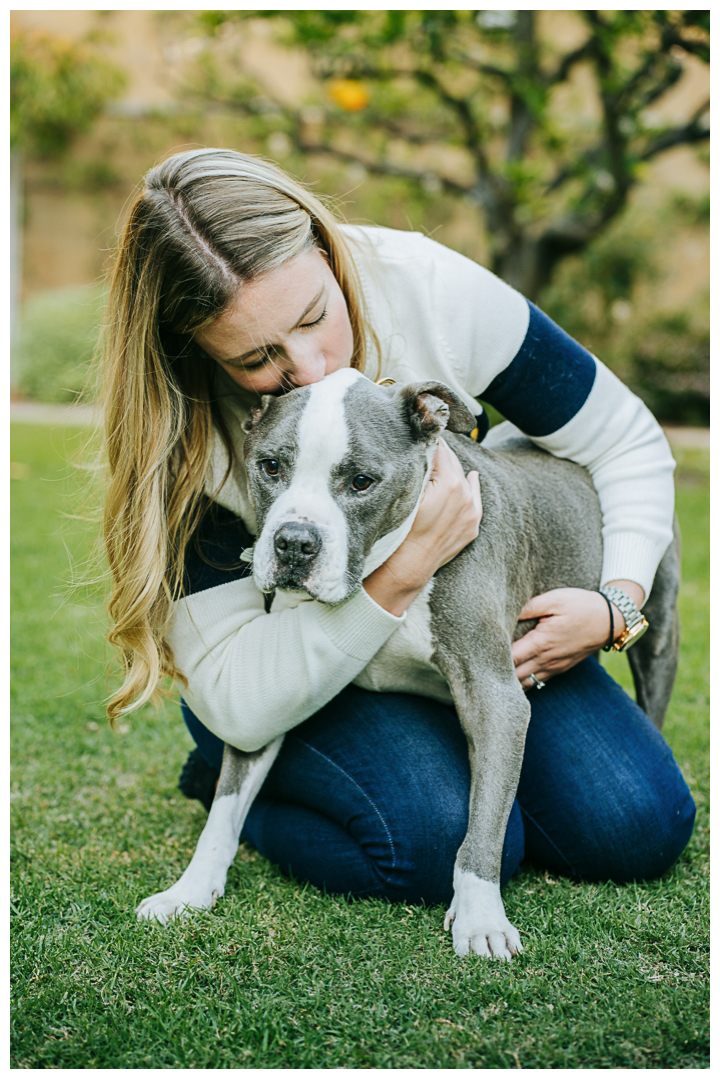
278, 975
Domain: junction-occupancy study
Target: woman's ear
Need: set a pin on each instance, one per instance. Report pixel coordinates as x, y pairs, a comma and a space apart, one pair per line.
433, 407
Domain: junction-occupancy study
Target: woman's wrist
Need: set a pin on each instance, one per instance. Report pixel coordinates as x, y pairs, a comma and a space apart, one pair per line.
394, 585
636, 594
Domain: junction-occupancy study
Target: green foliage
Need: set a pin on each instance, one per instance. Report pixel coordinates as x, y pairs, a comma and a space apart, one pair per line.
693, 209
58, 89
664, 356
279, 975
611, 269
671, 367
58, 333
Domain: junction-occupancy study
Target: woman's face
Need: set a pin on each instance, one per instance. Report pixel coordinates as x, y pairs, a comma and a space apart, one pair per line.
289, 328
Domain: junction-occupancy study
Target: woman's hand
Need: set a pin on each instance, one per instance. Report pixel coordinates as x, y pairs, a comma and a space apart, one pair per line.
573, 624
447, 520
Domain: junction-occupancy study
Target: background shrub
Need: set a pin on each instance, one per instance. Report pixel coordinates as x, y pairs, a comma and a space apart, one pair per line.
57, 338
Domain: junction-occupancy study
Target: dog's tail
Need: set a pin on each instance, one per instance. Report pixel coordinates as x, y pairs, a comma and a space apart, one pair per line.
654, 659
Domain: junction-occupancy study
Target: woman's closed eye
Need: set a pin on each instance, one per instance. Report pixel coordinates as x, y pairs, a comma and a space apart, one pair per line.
257, 362
316, 322
272, 352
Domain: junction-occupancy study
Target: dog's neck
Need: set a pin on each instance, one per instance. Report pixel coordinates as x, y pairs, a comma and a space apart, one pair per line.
388, 544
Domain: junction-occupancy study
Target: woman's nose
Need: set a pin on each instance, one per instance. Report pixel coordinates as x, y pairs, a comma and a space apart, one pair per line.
305, 370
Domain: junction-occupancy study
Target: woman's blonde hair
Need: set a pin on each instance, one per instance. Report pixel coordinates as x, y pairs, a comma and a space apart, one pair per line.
207, 222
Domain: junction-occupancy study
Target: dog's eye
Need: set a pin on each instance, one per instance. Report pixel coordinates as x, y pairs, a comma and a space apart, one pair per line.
270, 466
362, 482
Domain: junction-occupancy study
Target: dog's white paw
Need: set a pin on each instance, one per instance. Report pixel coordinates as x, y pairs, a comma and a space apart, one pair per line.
478, 920
180, 900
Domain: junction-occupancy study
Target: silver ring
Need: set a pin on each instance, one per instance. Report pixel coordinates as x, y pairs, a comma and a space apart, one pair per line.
537, 683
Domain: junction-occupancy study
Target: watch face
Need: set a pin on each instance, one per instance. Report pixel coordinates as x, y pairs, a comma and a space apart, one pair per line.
631, 636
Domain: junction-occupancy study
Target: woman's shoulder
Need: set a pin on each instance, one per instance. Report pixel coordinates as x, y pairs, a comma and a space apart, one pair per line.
435, 311
417, 259
383, 241
397, 244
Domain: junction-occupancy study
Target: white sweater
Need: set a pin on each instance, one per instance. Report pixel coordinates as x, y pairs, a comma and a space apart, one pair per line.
251, 675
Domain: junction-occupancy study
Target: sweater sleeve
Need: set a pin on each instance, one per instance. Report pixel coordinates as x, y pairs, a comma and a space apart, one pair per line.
572, 405
252, 676
472, 330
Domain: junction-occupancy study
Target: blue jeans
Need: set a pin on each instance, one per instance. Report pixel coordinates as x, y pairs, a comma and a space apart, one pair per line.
369, 797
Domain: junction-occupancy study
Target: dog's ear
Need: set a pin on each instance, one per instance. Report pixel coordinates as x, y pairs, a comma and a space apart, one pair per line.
433, 407
257, 412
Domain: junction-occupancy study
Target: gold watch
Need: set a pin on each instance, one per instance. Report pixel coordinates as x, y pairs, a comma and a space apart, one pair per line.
635, 622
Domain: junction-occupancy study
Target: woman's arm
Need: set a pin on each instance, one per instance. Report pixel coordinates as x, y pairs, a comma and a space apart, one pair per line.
252, 676
574, 623
509, 353
616, 438
606, 428
453, 320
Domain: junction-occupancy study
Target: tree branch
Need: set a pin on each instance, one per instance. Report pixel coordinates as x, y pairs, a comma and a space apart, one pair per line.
395, 128
614, 142
568, 63
694, 48
521, 115
672, 74
380, 168
461, 108
479, 67
661, 87
691, 132
374, 166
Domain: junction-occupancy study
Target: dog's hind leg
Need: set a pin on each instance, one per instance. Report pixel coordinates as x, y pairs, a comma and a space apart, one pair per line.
241, 777
654, 659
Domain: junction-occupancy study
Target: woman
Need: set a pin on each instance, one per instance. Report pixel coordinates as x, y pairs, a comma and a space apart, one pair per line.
233, 281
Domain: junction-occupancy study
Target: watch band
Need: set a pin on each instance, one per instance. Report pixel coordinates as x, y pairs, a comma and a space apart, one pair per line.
611, 636
629, 609
635, 622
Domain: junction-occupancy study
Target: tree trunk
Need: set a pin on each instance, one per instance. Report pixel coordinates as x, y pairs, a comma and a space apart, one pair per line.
528, 263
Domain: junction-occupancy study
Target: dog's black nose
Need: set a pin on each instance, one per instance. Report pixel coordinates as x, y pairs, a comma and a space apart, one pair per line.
297, 543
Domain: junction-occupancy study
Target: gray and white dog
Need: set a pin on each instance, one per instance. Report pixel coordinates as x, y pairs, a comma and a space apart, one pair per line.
337, 471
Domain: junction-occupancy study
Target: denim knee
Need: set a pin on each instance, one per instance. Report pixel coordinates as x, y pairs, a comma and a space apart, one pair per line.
601, 793
658, 831
641, 838
421, 871
416, 864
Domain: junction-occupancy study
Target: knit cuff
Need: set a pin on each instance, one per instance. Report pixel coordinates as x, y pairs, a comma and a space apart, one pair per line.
358, 626
631, 557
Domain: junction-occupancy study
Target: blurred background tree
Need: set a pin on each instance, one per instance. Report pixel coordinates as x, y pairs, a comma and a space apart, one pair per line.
58, 89
530, 141
546, 181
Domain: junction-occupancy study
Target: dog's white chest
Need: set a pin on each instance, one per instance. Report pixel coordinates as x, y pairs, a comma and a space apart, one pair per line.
404, 663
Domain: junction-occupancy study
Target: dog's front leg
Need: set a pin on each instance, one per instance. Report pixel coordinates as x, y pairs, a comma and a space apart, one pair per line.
494, 713
241, 777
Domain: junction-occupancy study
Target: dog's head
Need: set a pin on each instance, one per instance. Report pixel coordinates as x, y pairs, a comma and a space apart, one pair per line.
333, 468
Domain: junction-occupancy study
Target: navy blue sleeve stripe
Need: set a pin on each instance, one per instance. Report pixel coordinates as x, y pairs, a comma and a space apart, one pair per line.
212, 556
547, 383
